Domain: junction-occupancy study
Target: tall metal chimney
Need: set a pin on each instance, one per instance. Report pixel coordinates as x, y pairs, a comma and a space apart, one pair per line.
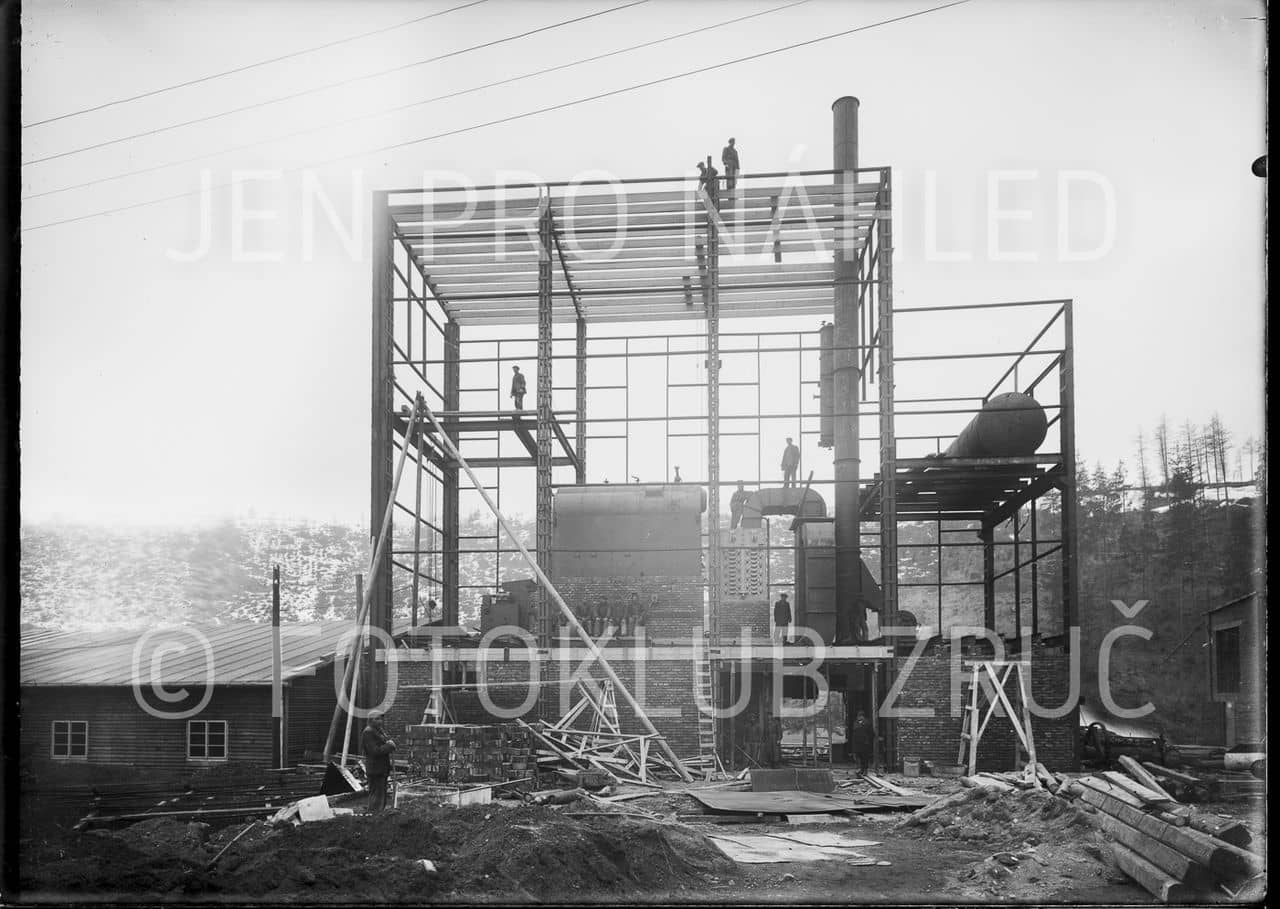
847, 463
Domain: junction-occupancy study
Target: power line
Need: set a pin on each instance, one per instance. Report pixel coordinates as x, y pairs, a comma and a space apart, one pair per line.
321, 88
401, 107
248, 66
513, 117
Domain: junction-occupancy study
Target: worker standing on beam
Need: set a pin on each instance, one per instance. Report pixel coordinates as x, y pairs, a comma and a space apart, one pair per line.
712, 177
781, 618
790, 464
729, 158
517, 388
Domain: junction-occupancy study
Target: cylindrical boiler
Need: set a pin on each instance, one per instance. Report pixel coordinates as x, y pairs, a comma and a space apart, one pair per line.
1009, 425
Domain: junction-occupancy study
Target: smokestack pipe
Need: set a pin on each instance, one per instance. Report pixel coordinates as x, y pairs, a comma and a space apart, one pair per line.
848, 543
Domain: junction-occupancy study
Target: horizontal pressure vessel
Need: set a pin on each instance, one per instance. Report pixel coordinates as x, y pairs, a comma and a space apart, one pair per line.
1009, 425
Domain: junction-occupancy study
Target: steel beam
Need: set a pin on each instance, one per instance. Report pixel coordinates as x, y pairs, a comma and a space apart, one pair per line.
382, 401
449, 486
545, 416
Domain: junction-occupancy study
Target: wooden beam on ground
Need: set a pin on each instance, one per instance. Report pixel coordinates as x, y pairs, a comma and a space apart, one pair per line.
1148, 796
1153, 880
1166, 858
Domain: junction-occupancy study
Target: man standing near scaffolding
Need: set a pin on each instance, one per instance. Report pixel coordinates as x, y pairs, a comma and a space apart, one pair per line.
736, 503
790, 464
517, 387
781, 618
377, 749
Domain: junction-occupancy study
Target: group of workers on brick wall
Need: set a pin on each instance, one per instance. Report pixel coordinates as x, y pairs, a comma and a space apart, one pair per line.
617, 617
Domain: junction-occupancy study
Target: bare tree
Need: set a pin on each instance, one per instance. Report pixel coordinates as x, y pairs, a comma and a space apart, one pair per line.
1144, 479
1162, 448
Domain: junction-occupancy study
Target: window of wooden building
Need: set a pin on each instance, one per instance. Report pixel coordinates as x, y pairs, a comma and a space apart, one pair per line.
70, 740
207, 740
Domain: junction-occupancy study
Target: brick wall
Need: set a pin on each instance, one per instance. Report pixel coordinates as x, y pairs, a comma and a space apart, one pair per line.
937, 737
737, 614
678, 609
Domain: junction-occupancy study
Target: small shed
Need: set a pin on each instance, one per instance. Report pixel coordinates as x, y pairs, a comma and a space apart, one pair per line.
1238, 667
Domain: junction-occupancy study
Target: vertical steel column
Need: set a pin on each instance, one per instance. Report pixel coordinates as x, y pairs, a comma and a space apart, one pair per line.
382, 447
543, 469
987, 535
713, 422
1035, 572
1017, 576
580, 438
888, 440
848, 544
417, 526
1067, 420
277, 684
450, 516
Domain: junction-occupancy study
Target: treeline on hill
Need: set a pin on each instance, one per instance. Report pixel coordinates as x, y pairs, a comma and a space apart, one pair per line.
1176, 537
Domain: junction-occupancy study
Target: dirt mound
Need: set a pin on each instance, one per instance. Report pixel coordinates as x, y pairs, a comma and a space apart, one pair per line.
528, 852
1006, 820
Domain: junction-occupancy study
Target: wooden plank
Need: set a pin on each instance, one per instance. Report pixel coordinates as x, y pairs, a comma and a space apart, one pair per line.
1153, 880
1134, 788
1139, 773
1175, 775
1166, 858
887, 786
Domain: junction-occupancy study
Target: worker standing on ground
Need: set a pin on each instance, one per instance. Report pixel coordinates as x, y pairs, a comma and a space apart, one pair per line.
736, 503
862, 738
790, 464
781, 618
517, 387
377, 749
729, 158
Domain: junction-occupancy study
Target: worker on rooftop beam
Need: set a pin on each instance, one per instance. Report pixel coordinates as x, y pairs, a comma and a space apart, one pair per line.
518, 388
729, 158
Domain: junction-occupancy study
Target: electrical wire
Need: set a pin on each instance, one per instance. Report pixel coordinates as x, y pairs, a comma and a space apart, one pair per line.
511, 118
249, 66
401, 107
321, 88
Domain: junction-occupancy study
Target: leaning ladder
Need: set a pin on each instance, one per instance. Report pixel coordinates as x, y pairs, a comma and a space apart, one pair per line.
708, 755
974, 722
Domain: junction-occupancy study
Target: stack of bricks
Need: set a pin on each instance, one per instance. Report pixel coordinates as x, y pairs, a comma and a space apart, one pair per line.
471, 754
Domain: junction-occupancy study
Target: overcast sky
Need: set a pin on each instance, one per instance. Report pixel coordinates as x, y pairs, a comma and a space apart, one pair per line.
159, 384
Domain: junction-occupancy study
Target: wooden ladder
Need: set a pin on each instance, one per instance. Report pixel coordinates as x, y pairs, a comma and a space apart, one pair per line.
973, 722
709, 756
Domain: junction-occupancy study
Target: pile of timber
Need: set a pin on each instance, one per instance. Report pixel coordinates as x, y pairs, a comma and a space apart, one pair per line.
1175, 852
1033, 776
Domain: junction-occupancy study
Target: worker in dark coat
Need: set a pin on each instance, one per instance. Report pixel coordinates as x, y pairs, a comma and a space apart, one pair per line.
862, 741
790, 464
617, 616
517, 387
729, 158
781, 618
737, 502
377, 747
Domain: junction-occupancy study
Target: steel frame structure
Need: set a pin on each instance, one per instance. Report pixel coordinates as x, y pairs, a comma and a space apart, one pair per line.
549, 266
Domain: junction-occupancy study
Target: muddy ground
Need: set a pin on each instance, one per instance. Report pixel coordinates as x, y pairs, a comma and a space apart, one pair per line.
1027, 847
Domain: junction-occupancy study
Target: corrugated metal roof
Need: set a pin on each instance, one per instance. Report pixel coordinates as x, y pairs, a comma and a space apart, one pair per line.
237, 654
